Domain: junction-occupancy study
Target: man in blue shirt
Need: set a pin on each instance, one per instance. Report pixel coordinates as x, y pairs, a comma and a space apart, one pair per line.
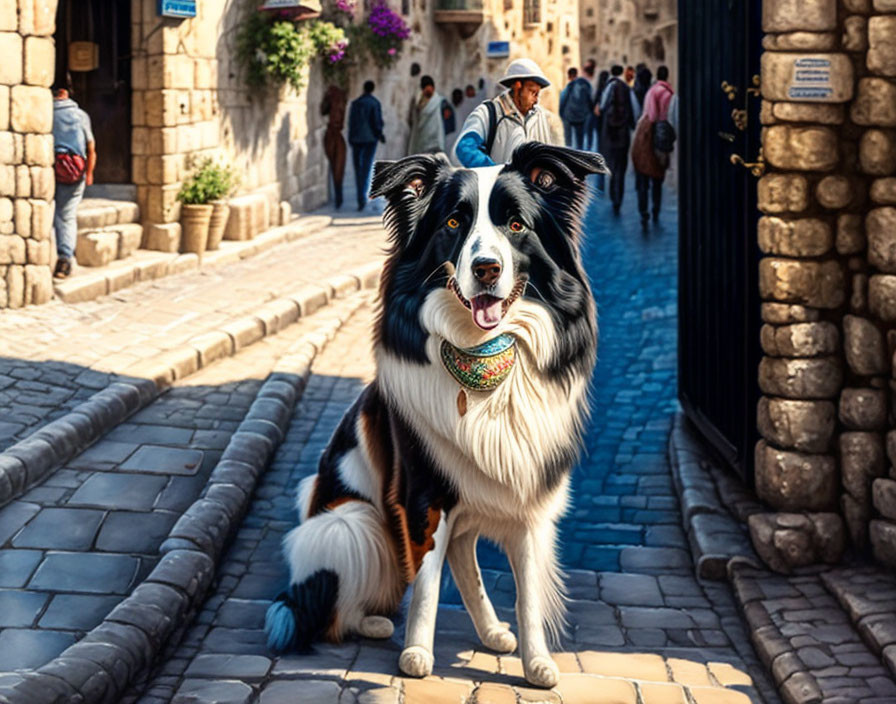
365, 128
72, 134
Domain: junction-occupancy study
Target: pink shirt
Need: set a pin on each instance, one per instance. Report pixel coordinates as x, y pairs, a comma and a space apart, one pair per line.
656, 102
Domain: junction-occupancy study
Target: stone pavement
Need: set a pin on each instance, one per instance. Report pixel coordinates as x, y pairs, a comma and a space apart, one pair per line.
54, 356
808, 641
642, 628
74, 546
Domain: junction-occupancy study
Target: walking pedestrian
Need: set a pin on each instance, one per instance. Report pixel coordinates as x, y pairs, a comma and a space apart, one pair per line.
643, 78
590, 74
365, 129
427, 120
597, 122
333, 106
652, 146
75, 149
575, 107
618, 110
498, 126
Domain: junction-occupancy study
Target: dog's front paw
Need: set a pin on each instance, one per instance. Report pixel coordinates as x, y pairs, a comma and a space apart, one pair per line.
541, 671
416, 661
500, 639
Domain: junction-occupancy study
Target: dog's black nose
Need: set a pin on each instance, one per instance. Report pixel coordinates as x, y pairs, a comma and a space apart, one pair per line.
486, 271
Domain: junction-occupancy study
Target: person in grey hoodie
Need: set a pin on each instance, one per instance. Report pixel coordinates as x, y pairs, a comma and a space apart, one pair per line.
72, 134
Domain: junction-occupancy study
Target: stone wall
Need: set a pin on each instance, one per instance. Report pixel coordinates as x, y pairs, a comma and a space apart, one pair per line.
629, 32
455, 61
189, 101
828, 279
26, 151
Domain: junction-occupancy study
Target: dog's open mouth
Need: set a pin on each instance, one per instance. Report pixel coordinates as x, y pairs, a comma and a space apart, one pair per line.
488, 310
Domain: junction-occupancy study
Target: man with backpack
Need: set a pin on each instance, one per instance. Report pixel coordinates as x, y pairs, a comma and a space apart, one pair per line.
498, 126
619, 112
653, 145
575, 108
75, 149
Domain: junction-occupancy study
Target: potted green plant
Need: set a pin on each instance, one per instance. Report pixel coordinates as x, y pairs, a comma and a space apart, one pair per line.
209, 182
223, 182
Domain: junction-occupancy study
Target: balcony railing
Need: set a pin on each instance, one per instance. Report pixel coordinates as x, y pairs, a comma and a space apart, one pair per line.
466, 15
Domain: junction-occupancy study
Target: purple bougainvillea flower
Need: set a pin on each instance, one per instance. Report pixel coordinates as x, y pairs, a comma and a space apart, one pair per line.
392, 51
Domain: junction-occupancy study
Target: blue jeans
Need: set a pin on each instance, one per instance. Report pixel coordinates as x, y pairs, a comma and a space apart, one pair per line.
591, 131
362, 159
574, 134
65, 219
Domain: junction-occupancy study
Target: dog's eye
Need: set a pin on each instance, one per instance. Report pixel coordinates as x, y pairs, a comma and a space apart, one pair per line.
453, 223
516, 226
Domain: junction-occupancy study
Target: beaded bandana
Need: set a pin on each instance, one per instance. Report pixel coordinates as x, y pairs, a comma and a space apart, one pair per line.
480, 368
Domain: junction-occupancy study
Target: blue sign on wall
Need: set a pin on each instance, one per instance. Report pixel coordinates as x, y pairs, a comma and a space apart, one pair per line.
498, 50
177, 8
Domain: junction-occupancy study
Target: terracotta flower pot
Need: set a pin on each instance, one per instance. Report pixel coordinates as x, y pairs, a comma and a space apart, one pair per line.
194, 221
217, 224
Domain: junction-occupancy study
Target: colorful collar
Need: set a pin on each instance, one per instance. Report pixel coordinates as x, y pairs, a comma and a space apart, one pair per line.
481, 368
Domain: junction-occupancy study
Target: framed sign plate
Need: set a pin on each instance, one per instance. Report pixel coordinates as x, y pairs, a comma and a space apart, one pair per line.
498, 50
177, 8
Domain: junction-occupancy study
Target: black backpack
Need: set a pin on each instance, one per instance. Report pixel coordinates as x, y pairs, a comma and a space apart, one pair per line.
619, 110
663, 136
492, 127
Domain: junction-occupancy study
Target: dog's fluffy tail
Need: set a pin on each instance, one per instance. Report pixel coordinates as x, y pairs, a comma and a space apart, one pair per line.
342, 569
301, 613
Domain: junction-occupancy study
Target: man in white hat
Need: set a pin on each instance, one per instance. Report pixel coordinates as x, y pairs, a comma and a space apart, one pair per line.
498, 126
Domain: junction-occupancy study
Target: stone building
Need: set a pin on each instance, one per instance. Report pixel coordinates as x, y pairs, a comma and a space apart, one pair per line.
164, 91
828, 280
26, 151
629, 32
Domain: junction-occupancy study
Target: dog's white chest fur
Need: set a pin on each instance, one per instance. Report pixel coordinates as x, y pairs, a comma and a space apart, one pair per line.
495, 452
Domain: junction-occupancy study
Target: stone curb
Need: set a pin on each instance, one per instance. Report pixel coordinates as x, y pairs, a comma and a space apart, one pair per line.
795, 682
708, 495
30, 460
111, 657
157, 265
866, 594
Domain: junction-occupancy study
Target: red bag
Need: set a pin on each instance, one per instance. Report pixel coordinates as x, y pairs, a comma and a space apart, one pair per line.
70, 168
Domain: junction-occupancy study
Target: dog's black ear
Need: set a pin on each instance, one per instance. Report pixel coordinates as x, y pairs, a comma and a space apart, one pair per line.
548, 166
412, 176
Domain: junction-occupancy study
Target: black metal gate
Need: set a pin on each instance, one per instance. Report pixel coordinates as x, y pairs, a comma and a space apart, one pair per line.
718, 301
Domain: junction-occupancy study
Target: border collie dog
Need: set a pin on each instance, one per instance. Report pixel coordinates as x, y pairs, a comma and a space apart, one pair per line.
484, 343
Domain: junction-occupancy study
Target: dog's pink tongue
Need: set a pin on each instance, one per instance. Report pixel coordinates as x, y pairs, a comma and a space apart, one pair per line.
486, 310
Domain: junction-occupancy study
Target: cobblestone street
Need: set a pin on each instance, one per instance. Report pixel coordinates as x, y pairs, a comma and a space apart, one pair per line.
642, 628
136, 505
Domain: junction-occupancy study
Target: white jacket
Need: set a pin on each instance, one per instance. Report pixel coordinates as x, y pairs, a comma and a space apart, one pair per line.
514, 129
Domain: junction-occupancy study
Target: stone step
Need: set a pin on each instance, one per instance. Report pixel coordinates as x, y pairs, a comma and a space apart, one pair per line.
806, 640
91, 282
99, 247
868, 595
96, 213
714, 504
32, 459
128, 538
112, 191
